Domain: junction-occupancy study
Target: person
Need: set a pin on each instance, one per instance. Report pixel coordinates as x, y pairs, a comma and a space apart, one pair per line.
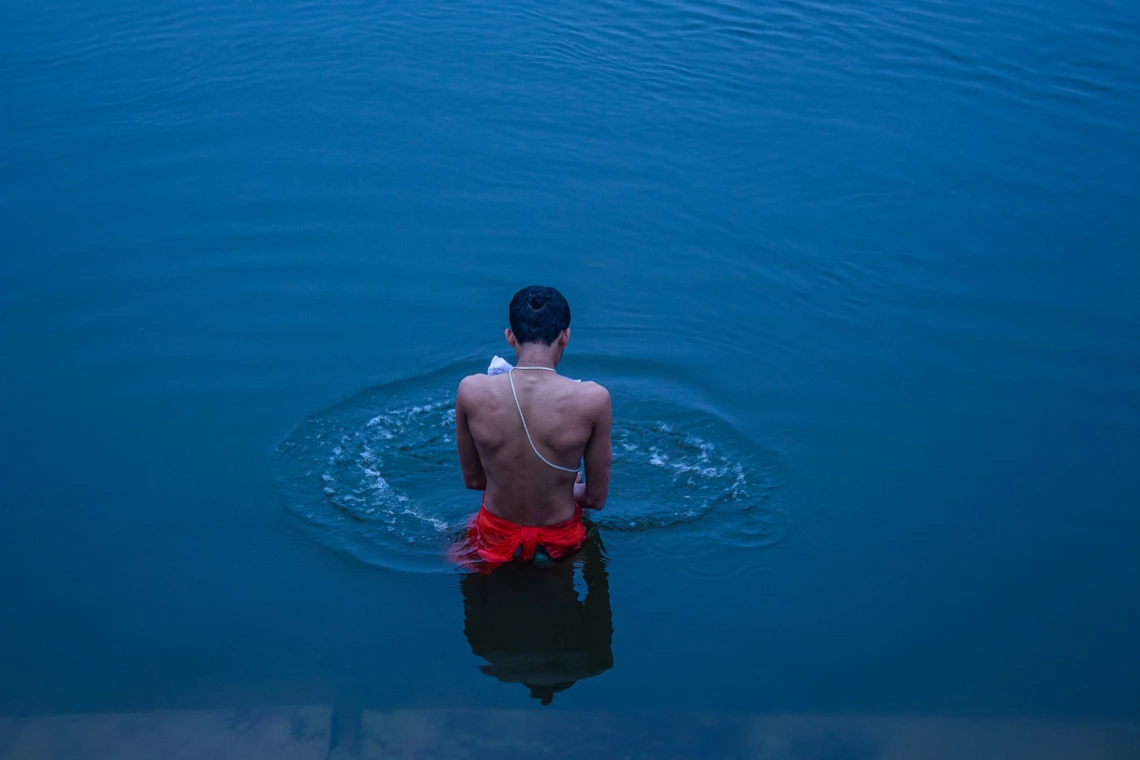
522, 434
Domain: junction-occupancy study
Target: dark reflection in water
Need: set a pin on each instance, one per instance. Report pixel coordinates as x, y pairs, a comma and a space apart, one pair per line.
528, 622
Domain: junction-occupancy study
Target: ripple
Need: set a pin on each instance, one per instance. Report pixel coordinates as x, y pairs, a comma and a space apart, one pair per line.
376, 476
770, 582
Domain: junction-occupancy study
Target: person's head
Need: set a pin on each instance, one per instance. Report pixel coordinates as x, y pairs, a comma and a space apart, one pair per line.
539, 315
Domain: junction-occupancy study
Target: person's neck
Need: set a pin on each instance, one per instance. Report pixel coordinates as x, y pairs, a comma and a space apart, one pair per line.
536, 355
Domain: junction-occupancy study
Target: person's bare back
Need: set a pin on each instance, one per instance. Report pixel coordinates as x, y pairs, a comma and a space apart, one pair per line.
531, 480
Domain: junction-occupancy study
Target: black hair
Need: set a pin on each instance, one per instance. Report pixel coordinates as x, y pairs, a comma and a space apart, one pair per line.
538, 314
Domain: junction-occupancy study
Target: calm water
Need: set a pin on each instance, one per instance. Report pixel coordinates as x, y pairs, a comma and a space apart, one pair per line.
882, 258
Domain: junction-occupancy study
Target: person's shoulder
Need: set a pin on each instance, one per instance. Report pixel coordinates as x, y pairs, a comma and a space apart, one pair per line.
595, 394
472, 386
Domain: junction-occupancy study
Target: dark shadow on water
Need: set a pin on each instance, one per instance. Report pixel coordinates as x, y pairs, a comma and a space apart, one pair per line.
528, 623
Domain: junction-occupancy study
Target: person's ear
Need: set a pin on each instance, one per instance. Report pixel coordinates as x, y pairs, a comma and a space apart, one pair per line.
564, 337
511, 340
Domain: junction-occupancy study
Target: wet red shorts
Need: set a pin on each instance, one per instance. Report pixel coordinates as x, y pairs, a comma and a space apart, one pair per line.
496, 540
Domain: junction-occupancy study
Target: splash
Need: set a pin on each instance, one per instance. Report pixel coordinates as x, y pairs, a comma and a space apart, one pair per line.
376, 476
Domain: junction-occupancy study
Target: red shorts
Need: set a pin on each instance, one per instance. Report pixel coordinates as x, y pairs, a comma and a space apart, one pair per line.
496, 540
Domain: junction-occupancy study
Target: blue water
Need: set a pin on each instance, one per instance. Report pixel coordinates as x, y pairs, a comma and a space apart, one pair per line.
882, 257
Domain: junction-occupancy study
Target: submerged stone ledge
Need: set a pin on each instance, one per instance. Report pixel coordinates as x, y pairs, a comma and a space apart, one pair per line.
325, 733
257, 733
532, 733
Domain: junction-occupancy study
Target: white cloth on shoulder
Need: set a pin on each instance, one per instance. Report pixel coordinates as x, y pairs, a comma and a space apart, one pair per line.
500, 366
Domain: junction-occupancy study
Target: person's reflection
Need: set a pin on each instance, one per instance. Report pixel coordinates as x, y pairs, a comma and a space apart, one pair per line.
527, 621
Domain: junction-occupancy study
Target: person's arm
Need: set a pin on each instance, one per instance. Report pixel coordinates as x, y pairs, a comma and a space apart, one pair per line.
598, 457
473, 475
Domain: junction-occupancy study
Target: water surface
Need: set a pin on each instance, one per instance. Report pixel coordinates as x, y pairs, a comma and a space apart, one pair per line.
882, 256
